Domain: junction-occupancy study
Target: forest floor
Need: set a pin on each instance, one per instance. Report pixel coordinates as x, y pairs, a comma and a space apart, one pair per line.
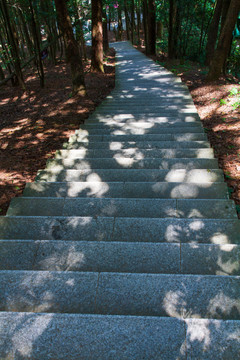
36, 123
219, 110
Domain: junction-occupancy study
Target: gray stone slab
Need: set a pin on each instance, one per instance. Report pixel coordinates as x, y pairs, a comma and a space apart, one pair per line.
31, 207
131, 137
84, 137
72, 188
45, 189
216, 231
60, 255
208, 231
136, 152
17, 254
144, 124
210, 209
108, 257
114, 189
171, 175
90, 337
136, 162
192, 296
130, 207
56, 228
169, 109
140, 144
48, 291
95, 207
155, 208
158, 119
176, 190
147, 124
161, 103
210, 259
137, 129
212, 339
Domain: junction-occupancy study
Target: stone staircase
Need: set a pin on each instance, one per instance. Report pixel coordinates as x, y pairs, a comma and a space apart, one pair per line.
126, 246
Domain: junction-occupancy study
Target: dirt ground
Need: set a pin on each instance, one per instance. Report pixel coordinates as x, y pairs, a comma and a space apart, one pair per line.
35, 124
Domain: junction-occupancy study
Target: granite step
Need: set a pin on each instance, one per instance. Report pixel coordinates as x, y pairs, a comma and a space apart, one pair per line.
213, 231
180, 155
164, 125
68, 184
145, 128
171, 175
154, 208
130, 257
137, 161
84, 136
119, 337
151, 118
116, 145
194, 296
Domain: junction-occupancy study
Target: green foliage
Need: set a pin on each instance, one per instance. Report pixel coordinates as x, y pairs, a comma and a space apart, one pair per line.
223, 102
234, 59
234, 91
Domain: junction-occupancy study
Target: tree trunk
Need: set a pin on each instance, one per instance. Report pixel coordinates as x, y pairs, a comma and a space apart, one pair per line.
25, 31
145, 24
119, 33
97, 37
2, 75
220, 55
213, 32
151, 28
159, 30
6, 59
109, 19
79, 27
138, 23
72, 50
14, 49
202, 26
132, 21
37, 47
126, 19
225, 7
173, 21
105, 32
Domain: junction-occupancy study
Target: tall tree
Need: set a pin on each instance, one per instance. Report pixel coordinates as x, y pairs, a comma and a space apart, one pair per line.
145, 24
12, 42
120, 27
37, 46
220, 55
132, 7
151, 28
97, 37
126, 19
73, 54
213, 31
105, 31
173, 28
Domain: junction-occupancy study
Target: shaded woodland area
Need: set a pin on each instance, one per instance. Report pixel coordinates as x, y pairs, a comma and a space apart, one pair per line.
56, 66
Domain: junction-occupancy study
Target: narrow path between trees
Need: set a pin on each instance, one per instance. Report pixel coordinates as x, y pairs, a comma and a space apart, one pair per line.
126, 246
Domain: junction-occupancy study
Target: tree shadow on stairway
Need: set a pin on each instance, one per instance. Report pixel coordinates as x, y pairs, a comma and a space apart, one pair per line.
195, 237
